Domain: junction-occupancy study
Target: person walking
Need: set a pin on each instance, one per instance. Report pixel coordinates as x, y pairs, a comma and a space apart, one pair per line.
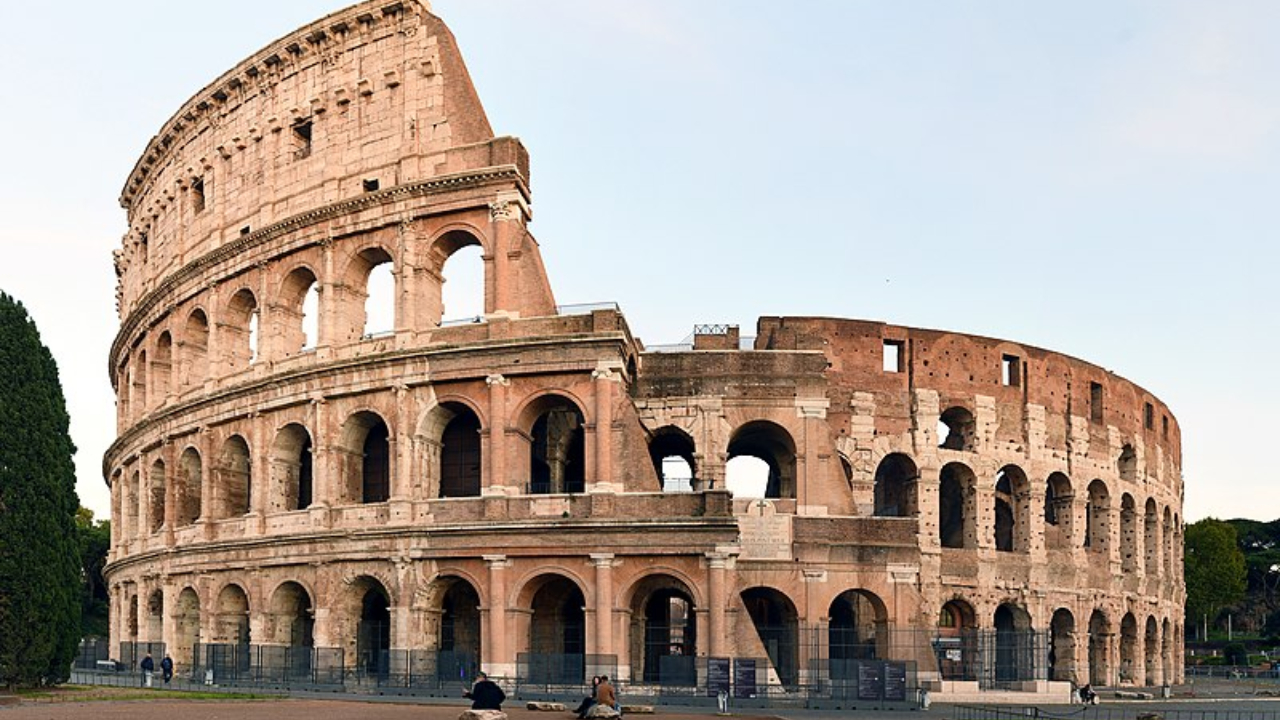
485, 694
166, 668
148, 667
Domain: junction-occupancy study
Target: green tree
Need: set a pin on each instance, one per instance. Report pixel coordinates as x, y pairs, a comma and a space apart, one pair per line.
39, 552
1215, 569
95, 541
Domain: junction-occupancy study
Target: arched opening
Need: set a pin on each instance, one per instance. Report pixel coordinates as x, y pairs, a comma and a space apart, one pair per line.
1128, 533
291, 630
957, 429
857, 631
672, 452
162, 367
131, 502
1168, 543
1166, 652
462, 283
1012, 510
195, 348
1058, 498
1127, 464
186, 631
1151, 538
373, 631
1098, 517
770, 443
156, 496
380, 291
460, 642
1152, 653
1062, 646
1128, 649
955, 642
557, 457
228, 652
776, 622
155, 617
1015, 645
237, 336
896, 483
663, 632
138, 372
557, 632
956, 526
1099, 649
298, 311
291, 469
187, 487
457, 260
366, 450
460, 459
235, 481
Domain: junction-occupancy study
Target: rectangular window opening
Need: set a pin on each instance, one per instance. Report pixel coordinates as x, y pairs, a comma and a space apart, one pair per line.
197, 194
1164, 426
302, 139
1095, 402
1149, 417
245, 230
1011, 371
371, 185
893, 356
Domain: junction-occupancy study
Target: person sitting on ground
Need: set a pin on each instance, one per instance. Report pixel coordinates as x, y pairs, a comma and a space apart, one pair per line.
589, 700
485, 694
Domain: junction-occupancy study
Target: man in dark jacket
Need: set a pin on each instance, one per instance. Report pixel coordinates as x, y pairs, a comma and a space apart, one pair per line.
148, 667
485, 694
166, 668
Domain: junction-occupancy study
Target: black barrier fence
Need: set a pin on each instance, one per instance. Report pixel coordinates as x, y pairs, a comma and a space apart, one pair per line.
1106, 712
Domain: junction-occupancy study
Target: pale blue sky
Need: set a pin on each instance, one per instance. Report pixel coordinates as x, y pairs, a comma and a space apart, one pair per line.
1098, 178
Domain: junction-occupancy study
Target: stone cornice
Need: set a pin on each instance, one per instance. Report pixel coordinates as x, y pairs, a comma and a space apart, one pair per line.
198, 266
517, 528
306, 45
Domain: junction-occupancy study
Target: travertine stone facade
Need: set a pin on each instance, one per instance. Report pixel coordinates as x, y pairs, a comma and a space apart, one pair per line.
495, 489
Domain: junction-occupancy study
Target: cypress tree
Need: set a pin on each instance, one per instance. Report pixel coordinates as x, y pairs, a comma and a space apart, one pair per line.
39, 552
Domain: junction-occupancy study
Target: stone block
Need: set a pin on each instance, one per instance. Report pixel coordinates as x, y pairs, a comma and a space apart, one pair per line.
602, 712
545, 706
482, 715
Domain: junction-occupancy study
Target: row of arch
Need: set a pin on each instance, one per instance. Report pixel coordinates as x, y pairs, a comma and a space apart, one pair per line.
362, 621
304, 310
449, 438
1014, 504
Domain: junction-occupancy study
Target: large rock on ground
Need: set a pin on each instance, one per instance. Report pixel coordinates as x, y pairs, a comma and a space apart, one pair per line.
482, 715
637, 709
545, 706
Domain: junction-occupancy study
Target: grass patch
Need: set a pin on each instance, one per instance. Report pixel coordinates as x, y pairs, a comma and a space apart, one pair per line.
92, 693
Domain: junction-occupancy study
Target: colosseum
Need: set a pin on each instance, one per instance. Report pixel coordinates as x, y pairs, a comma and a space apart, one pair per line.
837, 506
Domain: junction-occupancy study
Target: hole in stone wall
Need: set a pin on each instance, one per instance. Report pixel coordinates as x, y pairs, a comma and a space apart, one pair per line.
302, 139
1011, 371
197, 195
370, 184
1095, 402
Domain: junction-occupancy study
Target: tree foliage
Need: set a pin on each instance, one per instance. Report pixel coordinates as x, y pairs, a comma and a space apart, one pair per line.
1215, 567
39, 551
95, 540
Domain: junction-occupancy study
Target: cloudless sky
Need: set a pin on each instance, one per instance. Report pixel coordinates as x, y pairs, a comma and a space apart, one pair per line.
1097, 178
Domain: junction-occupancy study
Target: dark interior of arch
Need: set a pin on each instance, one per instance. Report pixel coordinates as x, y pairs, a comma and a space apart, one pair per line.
460, 454
951, 509
557, 631
774, 618
895, 483
961, 429
375, 470
671, 443
373, 635
557, 460
459, 632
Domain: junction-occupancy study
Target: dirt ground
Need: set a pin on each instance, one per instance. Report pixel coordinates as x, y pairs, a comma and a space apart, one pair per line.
273, 709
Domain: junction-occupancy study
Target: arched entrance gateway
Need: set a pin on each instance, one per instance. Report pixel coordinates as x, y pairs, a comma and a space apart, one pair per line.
776, 624
557, 632
955, 641
1099, 649
663, 634
290, 631
1016, 649
1062, 646
458, 643
857, 630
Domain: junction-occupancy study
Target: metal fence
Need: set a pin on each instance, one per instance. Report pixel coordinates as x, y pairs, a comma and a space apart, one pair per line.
1105, 712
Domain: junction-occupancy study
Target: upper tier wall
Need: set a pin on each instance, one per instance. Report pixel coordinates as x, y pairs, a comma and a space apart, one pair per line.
370, 97
959, 367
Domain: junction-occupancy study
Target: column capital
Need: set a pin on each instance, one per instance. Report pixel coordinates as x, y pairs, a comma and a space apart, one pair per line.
602, 560
496, 562
497, 379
